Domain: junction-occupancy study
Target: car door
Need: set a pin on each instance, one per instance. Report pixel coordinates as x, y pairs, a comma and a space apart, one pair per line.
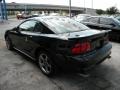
35, 38
92, 22
14, 36
25, 30
17, 36
31, 38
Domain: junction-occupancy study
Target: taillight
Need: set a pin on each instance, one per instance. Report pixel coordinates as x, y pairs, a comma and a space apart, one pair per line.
80, 48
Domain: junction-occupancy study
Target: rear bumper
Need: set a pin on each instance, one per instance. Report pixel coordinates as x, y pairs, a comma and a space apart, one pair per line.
87, 60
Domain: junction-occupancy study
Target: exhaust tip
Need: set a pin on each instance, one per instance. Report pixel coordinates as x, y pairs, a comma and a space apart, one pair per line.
109, 57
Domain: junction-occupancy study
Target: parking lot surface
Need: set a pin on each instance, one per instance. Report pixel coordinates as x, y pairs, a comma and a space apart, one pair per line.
18, 72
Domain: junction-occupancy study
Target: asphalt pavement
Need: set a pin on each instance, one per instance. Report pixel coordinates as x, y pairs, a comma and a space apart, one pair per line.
18, 72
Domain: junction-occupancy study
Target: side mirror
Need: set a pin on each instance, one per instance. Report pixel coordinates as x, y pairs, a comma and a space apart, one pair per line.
16, 29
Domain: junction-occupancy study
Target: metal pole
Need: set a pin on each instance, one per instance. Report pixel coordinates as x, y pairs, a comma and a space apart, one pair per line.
2, 10
5, 10
84, 7
92, 4
70, 8
25, 8
1, 17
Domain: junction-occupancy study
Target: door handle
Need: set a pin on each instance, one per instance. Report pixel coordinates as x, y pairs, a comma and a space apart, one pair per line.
30, 36
26, 39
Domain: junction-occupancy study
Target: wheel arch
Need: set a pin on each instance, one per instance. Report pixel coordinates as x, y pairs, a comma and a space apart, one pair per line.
38, 50
6, 34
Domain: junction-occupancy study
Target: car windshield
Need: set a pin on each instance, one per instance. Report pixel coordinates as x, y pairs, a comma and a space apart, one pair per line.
118, 18
63, 25
117, 21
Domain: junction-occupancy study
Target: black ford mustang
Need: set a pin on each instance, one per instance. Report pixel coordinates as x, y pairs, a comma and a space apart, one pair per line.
59, 42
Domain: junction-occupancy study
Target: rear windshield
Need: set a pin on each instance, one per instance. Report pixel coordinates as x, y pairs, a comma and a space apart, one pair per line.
63, 25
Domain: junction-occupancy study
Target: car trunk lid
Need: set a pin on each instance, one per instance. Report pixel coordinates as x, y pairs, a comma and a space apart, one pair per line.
89, 39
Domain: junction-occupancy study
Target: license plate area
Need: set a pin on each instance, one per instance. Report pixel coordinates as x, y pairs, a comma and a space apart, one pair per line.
96, 44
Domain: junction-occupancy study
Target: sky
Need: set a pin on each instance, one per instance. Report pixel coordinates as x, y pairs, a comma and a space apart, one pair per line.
97, 4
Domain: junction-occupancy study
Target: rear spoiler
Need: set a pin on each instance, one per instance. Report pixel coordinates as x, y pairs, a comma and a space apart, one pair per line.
105, 31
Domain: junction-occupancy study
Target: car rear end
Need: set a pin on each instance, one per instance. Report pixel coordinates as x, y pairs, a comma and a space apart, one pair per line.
84, 51
77, 45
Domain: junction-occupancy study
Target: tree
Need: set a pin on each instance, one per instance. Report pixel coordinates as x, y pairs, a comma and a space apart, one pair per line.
112, 10
100, 11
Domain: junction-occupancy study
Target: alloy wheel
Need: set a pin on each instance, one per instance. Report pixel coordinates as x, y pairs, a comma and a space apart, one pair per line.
7, 43
45, 64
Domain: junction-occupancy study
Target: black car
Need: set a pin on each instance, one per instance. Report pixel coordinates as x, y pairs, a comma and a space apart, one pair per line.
59, 42
104, 23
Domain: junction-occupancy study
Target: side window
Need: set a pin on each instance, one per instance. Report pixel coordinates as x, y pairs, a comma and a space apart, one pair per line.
86, 20
40, 28
94, 20
106, 21
46, 30
27, 25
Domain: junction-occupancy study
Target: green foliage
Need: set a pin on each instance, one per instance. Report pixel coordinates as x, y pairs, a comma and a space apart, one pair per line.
100, 11
112, 10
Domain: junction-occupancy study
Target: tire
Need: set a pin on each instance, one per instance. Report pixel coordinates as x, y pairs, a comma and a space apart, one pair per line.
46, 64
119, 39
8, 43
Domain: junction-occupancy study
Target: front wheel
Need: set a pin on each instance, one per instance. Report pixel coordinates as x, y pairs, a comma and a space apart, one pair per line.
46, 64
8, 43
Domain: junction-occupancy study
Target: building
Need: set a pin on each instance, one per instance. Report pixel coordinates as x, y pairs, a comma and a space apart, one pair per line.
14, 8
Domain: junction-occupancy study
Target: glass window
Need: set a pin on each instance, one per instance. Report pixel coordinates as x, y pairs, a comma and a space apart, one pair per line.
106, 21
117, 22
94, 19
63, 25
86, 19
40, 28
81, 18
27, 25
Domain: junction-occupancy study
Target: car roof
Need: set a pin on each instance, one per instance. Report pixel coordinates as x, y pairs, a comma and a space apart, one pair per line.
42, 18
83, 15
101, 16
